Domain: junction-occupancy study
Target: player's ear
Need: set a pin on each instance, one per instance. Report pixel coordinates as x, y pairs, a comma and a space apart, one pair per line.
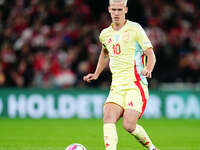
109, 9
126, 9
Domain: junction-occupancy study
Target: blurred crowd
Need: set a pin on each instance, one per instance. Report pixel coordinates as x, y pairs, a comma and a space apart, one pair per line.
53, 43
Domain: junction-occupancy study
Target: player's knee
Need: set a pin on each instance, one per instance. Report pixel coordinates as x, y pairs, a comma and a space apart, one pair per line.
109, 118
129, 126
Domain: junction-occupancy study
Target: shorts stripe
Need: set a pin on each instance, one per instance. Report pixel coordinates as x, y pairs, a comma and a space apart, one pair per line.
137, 76
144, 100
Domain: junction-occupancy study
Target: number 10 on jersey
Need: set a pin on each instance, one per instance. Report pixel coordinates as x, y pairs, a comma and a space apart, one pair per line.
116, 49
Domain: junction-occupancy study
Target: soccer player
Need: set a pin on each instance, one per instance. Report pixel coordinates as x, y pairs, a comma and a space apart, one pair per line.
125, 45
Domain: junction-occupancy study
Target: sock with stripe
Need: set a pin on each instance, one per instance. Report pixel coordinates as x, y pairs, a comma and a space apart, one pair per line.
110, 136
141, 135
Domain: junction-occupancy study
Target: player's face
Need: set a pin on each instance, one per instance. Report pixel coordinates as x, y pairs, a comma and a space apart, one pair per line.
117, 11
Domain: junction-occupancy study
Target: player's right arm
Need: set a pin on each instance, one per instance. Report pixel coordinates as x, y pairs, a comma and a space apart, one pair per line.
102, 62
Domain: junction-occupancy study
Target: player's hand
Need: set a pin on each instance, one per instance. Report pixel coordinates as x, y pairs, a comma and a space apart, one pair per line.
146, 73
90, 77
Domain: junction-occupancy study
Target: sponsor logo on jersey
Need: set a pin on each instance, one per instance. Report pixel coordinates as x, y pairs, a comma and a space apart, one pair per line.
109, 41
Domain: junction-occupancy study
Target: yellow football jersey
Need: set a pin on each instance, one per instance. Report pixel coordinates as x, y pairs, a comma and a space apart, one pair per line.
125, 48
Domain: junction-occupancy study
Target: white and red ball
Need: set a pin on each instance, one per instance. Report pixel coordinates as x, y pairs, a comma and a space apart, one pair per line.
76, 146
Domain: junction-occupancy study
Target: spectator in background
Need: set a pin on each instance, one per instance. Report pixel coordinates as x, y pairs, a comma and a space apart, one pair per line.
55, 42
2, 77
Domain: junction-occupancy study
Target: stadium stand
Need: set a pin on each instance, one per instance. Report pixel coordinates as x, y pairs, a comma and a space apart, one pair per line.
53, 43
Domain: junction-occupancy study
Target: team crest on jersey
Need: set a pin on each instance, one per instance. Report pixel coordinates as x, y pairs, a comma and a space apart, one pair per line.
125, 36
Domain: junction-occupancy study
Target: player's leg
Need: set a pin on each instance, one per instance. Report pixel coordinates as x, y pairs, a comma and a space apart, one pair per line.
112, 113
130, 118
136, 100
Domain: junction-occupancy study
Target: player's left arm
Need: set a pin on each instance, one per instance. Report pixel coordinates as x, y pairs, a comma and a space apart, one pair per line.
151, 60
147, 47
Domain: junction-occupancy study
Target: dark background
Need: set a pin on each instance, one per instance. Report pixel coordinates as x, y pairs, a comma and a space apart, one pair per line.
49, 43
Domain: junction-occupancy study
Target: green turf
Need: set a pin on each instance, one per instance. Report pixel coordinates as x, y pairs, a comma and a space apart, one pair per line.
56, 134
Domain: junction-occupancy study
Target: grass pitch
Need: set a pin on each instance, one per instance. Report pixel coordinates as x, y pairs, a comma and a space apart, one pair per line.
57, 134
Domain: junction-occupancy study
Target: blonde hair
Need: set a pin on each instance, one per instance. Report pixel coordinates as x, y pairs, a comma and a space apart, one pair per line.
122, 1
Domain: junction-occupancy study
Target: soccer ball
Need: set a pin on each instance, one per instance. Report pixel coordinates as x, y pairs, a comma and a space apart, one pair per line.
76, 146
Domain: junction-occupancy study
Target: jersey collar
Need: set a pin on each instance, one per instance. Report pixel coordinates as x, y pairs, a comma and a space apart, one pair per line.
111, 25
